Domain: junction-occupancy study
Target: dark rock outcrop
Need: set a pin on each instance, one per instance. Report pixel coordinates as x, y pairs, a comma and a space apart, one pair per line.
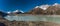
2, 14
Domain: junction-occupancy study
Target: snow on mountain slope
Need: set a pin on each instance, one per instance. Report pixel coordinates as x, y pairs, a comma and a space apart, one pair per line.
37, 7
55, 4
18, 11
9, 12
21, 11
44, 7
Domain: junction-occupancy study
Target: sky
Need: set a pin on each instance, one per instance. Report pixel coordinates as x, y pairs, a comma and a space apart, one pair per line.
24, 5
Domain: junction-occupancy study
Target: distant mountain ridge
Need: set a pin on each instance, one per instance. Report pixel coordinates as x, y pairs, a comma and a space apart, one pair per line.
47, 9
39, 10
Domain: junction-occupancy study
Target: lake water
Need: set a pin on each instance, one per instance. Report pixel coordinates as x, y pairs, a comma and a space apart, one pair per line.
48, 18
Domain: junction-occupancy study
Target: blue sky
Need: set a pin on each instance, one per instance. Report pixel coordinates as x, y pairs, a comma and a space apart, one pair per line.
25, 5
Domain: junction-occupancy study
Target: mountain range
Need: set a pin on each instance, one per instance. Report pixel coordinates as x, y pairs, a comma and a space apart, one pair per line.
39, 10
47, 9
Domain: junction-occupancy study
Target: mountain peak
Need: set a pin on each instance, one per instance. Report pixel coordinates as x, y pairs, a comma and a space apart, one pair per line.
44, 7
16, 11
21, 11
9, 12
55, 4
37, 7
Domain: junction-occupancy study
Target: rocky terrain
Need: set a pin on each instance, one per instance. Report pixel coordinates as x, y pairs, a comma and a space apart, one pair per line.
26, 23
41, 10
38, 10
46, 10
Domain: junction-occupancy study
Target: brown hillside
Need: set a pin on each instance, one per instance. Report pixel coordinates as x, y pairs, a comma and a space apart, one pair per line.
52, 10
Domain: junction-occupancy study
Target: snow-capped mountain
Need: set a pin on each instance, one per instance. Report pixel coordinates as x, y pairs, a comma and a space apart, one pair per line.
37, 7
18, 11
9, 12
55, 4
36, 10
44, 7
15, 12
47, 9
21, 11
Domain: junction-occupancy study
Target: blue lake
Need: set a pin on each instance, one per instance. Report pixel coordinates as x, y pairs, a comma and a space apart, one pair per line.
48, 18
